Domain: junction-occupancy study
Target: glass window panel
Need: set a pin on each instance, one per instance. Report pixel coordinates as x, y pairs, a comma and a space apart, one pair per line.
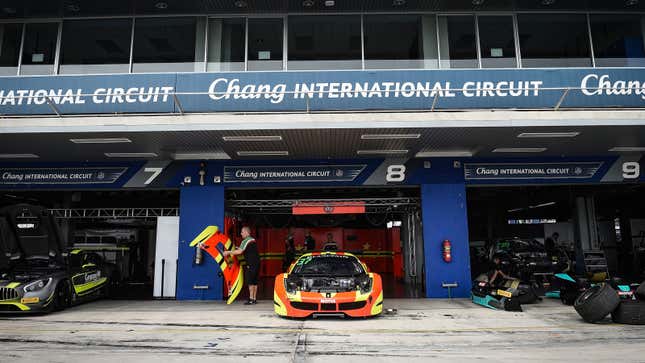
618, 40
39, 49
554, 40
226, 38
457, 41
168, 45
96, 46
265, 44
10, 36
400, 41
325, 42
497, 42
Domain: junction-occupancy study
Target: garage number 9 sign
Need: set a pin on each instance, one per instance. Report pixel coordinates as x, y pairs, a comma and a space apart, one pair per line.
395, 173
631, 170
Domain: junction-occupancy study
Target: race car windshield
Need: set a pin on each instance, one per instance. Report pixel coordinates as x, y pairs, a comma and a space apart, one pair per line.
328, 265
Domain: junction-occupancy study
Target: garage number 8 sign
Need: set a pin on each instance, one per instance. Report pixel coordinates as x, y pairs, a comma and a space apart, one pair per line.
395, 173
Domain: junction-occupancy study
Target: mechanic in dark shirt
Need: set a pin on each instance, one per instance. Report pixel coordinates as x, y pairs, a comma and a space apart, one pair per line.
310, 242
289, 251
249, 248
496, 270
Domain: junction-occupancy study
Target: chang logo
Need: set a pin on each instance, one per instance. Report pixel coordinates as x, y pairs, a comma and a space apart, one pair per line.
100, 175
339, 173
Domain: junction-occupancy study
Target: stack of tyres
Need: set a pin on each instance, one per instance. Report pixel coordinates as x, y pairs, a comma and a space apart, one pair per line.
601, 300
631, 312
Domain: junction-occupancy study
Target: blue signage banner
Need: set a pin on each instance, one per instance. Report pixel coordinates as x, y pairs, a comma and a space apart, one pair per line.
61, 176
323, 91
292, 174
514, 171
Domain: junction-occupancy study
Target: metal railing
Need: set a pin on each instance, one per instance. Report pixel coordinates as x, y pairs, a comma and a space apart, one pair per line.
424, 100
113, 213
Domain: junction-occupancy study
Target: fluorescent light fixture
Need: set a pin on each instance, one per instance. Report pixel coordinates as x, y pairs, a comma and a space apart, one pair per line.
444, 154
548, 134
389, 136
520, 150
18, 156
201, 156
625, 149
131, 155
381, 152
542, 205
253, 138
263, 153
515, 210
106, 140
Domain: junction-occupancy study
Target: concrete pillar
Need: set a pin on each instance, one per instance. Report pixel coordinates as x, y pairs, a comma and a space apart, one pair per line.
199, 207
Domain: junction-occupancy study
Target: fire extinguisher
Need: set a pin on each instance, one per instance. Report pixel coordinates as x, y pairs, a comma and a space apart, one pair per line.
447, 246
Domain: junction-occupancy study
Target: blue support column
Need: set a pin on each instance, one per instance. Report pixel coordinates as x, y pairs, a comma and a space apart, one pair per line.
445, 217
199, 207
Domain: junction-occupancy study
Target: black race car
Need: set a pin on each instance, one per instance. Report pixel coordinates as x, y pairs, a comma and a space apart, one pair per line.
528, 260
37, 274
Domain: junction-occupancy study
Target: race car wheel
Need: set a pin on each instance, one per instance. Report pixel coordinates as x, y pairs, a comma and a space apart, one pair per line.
568, 296
629, 312
596, 303
63, 296
640, 292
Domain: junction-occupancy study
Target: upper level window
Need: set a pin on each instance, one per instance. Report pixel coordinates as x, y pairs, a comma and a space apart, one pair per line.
325, 42
497, 42
168, 45
10, 36
618, 40
400, 41
458, 43
226, 39
96, 46
39, 49
554, 40
265, 44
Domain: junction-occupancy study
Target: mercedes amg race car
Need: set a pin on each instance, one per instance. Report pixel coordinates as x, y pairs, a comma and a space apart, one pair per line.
36, 274
509, 295
328, 283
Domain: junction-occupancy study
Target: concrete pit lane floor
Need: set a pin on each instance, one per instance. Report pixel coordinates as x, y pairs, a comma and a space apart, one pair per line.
422, 330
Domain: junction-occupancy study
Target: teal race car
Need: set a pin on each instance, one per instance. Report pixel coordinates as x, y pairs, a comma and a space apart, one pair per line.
37, 274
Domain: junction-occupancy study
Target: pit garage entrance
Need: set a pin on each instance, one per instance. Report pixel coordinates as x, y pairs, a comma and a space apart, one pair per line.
118, 227
379, 225
600, 228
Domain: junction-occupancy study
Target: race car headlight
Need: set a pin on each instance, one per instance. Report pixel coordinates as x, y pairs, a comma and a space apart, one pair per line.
290, 285
365, 285
37, 285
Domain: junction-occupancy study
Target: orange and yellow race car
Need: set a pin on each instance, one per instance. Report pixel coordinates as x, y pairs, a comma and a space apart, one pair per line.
328, 283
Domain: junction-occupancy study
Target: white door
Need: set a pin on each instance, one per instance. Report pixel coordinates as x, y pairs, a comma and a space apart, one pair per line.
166, 256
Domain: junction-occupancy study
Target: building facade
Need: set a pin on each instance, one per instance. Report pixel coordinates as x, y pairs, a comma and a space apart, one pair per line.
459, 121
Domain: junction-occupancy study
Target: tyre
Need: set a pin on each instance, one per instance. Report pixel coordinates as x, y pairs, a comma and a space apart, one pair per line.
630, 312
568, 296
62, 296
596, 303
640, 292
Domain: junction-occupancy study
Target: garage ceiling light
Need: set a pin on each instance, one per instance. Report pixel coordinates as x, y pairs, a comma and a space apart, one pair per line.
131, 155
444, 154
381, 152
253, 138
201, 156
263, 153
520, 150
18, 156
627, 148
105, 140
548, 134
389, 136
